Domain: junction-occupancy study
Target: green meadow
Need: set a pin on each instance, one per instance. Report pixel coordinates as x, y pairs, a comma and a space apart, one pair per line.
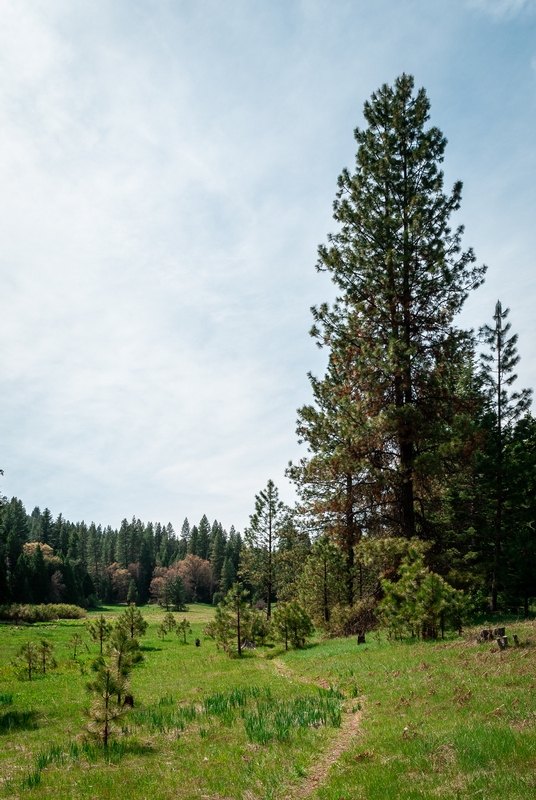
334, 721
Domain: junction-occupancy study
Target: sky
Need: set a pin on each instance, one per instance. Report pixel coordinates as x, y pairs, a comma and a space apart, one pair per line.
167, 172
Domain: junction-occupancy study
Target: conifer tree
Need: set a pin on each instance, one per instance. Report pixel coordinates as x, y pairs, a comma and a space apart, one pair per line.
184, 538
217, 554
100, 630
123, 545
107, 685
203, 540
385, 409
262, 538
193, 544
498, 376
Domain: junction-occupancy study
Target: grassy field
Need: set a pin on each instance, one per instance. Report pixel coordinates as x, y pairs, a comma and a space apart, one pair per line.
334, 721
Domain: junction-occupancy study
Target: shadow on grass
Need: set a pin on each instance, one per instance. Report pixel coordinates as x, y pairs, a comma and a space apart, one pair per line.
18, 721
149, 649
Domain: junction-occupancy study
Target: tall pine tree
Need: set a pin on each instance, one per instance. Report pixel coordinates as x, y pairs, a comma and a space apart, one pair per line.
385, 410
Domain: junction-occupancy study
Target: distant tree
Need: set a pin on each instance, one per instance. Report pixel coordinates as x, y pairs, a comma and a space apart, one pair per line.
232, 619
161, 631
197, 577
47, 524
217, 551
133, 597
260, 628
40, 582
123, 545
292, 624
194, 541
262, 537
174, 593
498, 375
203, 541
169, 622
184, 539
291, 557
322, 582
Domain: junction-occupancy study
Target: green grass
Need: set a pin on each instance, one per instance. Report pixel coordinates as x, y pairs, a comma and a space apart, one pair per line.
451, 719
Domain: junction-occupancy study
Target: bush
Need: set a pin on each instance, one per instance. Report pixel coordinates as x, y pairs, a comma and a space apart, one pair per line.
41, 613
292, 624
421, 603
356, 620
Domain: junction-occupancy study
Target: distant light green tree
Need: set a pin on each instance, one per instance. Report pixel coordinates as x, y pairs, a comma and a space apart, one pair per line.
132, 594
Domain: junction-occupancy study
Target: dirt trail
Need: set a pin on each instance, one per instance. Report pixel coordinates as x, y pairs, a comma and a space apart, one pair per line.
318, 773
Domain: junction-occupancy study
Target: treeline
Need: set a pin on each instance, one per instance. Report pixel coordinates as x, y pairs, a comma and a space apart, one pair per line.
46, 560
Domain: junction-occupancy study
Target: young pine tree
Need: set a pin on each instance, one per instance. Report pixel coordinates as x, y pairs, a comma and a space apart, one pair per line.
262, 538
498, 376
99, 631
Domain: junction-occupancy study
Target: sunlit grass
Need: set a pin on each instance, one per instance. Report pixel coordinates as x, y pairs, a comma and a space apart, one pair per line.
449, 719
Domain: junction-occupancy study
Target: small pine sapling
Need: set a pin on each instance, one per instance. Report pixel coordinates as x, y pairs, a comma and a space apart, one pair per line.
183, 628
161, 631
169, 622
132, 621
261, 628
124, 652
76, 642
100, 630
108, 687
28, 656
45, 655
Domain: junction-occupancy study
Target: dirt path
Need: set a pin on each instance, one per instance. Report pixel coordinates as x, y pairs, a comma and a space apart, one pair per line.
318, 773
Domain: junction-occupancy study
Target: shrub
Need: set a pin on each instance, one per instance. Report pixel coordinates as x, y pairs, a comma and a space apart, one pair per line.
292, 624
41, 613
421, 602
353, 620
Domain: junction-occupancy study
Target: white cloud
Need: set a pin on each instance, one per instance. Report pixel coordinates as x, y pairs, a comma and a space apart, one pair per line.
504, 8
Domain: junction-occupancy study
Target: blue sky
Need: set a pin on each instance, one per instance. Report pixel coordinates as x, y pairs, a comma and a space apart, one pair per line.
167, 171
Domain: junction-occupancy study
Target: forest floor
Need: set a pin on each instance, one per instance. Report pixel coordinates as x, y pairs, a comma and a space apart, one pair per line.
334, 721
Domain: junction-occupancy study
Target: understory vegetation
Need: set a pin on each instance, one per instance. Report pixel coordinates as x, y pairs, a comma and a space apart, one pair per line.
448, 718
